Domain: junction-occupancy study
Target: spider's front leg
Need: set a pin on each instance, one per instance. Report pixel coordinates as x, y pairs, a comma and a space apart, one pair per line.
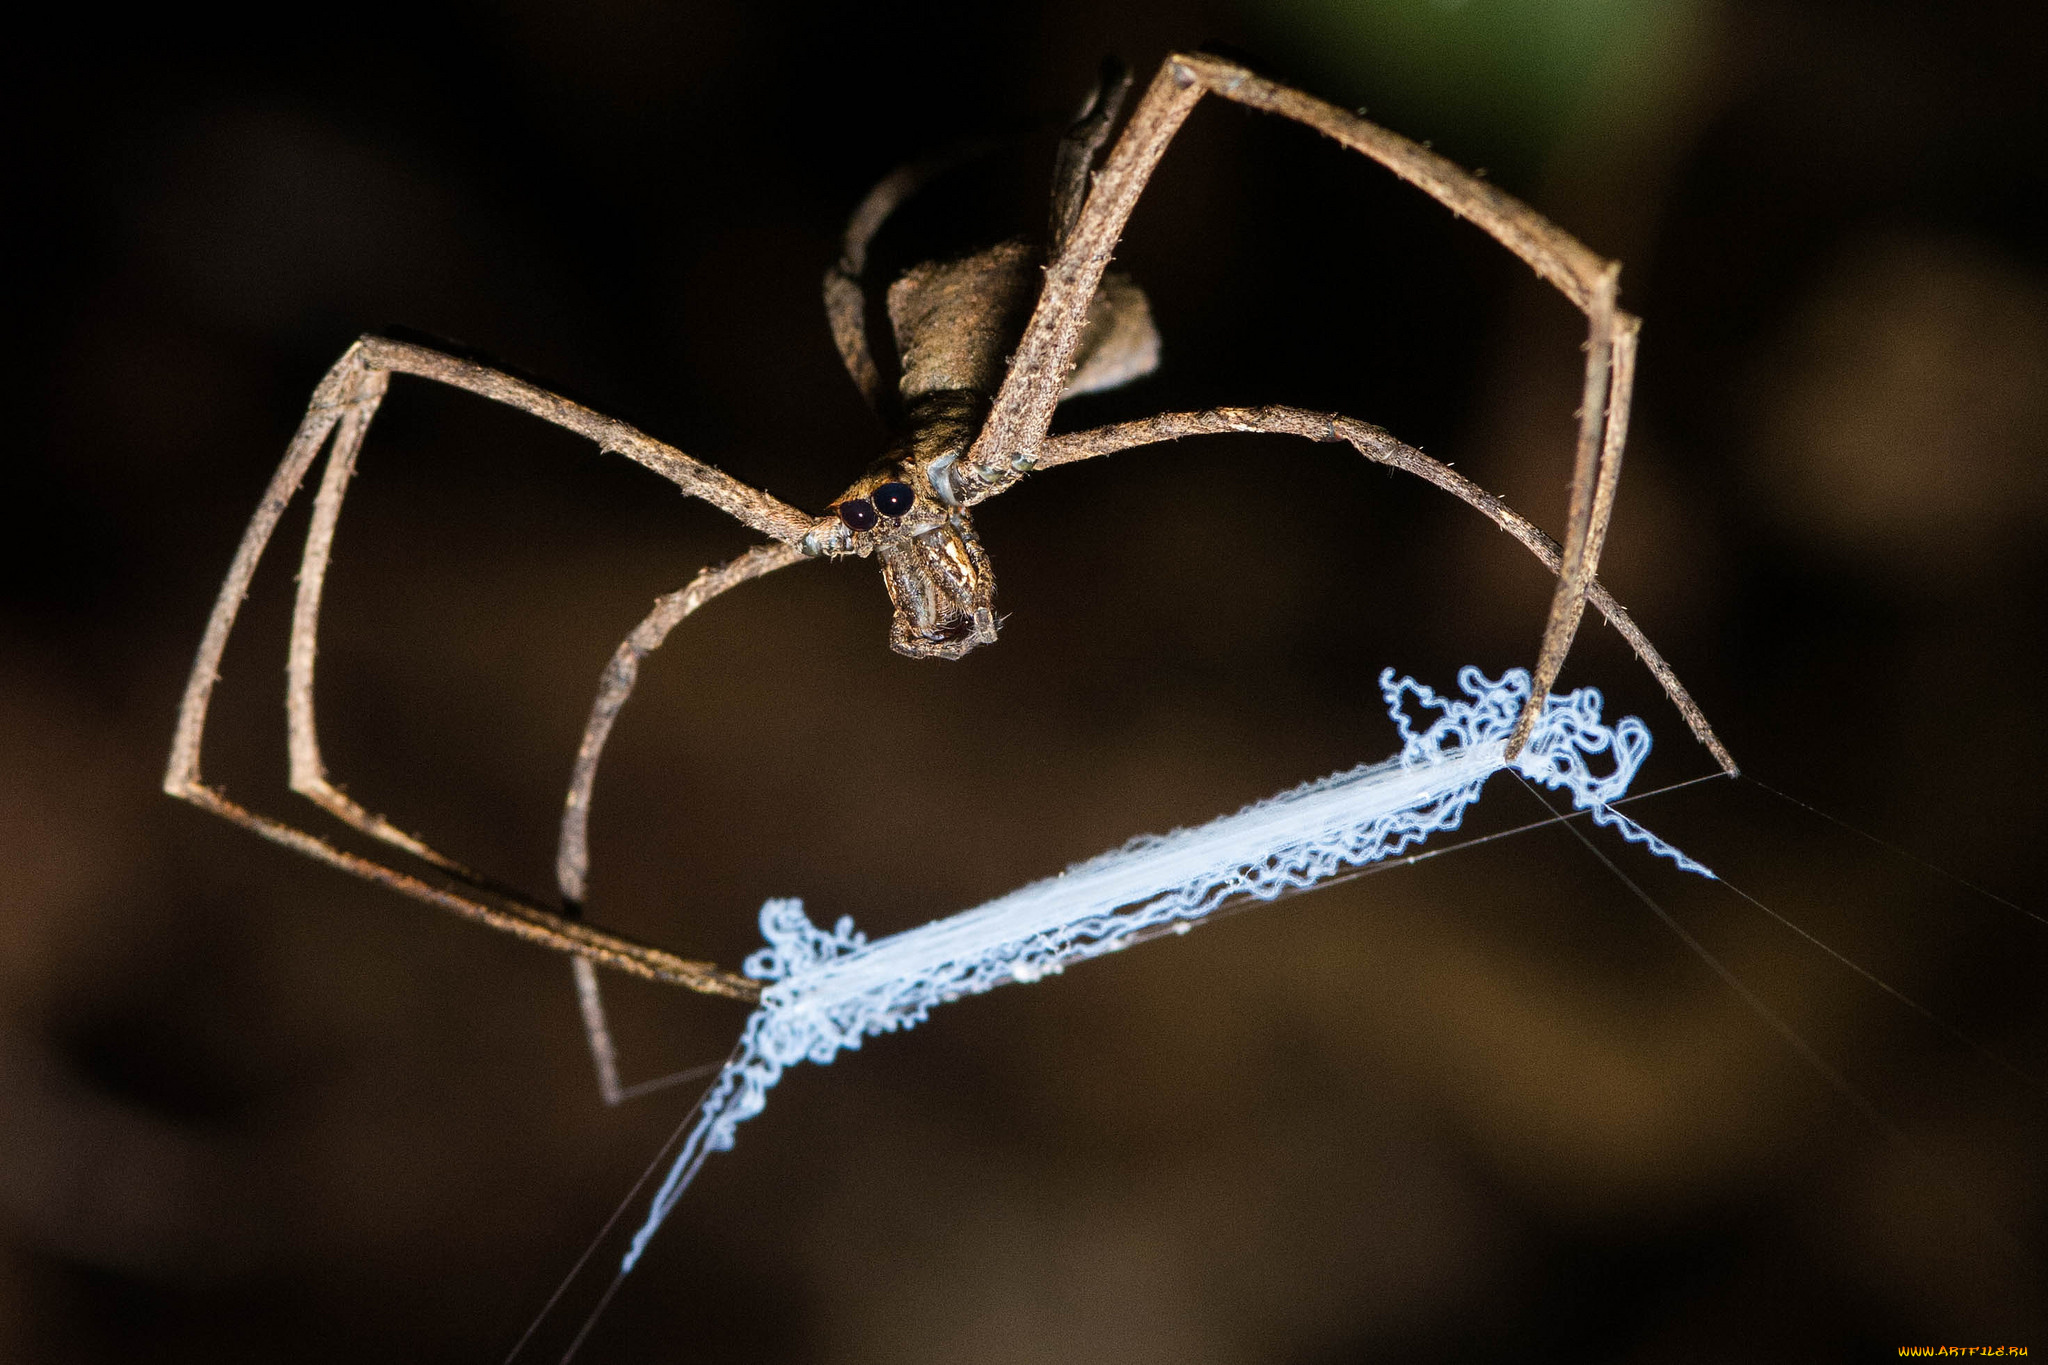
342, 409
1381, 448
1011, 441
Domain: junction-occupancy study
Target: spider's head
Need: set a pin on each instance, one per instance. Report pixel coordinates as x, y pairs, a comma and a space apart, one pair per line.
938, 578
956, 323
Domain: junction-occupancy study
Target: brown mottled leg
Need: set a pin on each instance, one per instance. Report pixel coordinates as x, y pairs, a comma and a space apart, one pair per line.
1378, 446
1011, 439
343, 406
572, 851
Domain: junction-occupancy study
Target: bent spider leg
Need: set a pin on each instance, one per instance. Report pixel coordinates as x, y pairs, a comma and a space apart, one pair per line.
1074, 164
1017, 423
604, 1054
347, 398
1596, 470
346, 388
1594, 481
846, 298
308, 770
1376, 445
846, 301
572, 849
764, 513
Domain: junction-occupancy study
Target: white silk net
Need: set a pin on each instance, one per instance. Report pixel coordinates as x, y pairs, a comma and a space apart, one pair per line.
827, 990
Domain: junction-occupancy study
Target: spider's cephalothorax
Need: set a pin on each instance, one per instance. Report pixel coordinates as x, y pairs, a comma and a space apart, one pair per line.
955, 324
932, 563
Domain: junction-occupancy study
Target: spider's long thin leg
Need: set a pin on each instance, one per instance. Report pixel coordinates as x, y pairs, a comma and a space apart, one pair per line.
1023, 409
342, 406
572, 851
846, 296
349, 390
770, 516
846, 299
1074, 165
1378, 446
1596, 474
308, 770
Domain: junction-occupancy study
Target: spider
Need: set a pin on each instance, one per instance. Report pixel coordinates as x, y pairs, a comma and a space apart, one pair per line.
987, 353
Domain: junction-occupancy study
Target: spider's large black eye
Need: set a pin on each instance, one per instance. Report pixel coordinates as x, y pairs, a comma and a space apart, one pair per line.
894, 499
857, 513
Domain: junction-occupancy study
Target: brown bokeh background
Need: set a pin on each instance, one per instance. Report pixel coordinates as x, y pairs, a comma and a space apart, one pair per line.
1484, 1109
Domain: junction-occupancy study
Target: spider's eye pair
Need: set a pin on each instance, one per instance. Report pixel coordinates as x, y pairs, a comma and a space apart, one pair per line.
894, 499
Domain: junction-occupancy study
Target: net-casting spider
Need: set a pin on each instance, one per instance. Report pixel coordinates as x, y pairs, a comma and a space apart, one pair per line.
984, 363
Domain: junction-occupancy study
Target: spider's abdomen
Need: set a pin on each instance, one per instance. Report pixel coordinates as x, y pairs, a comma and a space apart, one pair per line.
956, 321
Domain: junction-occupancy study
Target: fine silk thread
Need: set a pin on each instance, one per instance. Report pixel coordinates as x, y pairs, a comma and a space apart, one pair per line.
830, 989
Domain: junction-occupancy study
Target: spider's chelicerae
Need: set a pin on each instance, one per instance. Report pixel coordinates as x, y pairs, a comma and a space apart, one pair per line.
988, 346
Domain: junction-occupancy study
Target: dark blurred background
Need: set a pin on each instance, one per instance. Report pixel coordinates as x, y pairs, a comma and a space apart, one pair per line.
1484, 1109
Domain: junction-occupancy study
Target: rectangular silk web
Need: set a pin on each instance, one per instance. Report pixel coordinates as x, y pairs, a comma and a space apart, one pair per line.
829, 990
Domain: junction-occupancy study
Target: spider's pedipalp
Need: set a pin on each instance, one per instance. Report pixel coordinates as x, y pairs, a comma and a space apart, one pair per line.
941, 586
942, 589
